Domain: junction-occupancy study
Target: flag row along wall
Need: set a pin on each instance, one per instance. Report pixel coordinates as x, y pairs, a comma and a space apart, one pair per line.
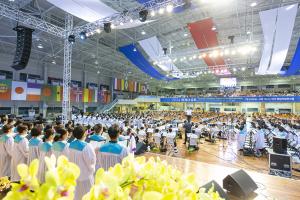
129, 86
24, 91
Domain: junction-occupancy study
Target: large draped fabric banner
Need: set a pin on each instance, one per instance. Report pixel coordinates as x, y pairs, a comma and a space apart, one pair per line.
277, 25
204, 37
52, 93
154, 50
89, 11
295, 64
5, 89
135, 56
19, 91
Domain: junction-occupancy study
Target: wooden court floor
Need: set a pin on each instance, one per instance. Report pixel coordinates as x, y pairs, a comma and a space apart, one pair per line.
225, 153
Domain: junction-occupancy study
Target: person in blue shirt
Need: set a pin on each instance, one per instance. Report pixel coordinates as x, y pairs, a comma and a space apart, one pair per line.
34, 143
111, 153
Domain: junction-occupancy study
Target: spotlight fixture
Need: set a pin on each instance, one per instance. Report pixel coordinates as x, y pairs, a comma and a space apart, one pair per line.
161, 11
121, 23
98, 30
143, 15
53, 62
107, 27
185, 35
131, 20
169, 8
143, 33
243, 68
134, 49
214, 28
71, 39
98, 72
83, 35
152, 13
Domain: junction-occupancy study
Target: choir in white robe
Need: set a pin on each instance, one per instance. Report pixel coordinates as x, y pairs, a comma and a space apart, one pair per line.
110, 154
259, 140
19, 155
60, 148
34, 151
6, 149
45, 151
241, 138
83, 154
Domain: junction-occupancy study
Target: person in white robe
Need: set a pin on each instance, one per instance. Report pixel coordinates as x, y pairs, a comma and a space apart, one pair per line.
6, 149
242, 137
96, 139
60, 146
111, 153
82, 154
20, 152
45, 151
34, 143
260, 139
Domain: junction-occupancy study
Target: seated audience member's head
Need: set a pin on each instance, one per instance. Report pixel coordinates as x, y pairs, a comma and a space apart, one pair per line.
22, 129
156, 130
61, 135
98, 129
47, 127
29, 126
18, 122
39, 126
35, 132
4, 120
129, 131
7, 128
79, 132
114, 132
170, 130
49, 135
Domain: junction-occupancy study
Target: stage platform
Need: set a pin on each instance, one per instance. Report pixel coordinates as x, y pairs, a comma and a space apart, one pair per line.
269, 187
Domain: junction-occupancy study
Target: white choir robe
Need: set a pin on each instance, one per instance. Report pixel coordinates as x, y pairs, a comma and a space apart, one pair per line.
241, 138
259, 140
19, 155
34, 151
6, 149
60, 148
45, 151
83, 155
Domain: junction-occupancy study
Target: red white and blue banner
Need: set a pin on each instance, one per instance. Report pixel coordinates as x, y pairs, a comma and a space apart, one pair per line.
265, 99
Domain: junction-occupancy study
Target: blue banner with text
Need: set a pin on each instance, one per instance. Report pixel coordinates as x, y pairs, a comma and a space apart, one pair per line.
265, 99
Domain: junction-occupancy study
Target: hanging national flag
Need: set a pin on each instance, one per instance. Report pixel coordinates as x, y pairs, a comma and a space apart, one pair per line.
51, 93
19, 91
5, 89
33, 92
85, 96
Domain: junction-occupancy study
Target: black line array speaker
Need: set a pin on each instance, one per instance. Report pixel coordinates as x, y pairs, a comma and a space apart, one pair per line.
217, 188
23, 48
239, 184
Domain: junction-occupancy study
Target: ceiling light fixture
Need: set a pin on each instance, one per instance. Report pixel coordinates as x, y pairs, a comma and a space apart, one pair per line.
143, 33
253, 4
169, 8
152, 13
161, 11
40, 46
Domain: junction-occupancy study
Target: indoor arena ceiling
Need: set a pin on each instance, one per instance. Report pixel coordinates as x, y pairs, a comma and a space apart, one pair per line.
100, 52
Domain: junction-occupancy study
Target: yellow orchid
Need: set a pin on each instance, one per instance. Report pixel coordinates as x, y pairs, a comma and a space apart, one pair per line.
28, 182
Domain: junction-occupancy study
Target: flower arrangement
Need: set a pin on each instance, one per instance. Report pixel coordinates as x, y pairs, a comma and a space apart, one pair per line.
134, 179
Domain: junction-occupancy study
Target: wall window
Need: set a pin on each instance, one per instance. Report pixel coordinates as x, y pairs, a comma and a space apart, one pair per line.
7, 74
24, 110
270, 110
5, 110
252, 109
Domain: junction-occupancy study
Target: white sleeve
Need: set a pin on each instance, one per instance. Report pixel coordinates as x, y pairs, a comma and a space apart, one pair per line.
9, 146
25, 147
90, 156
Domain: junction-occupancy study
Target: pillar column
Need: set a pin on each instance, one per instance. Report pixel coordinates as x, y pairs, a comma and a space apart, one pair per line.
84, 86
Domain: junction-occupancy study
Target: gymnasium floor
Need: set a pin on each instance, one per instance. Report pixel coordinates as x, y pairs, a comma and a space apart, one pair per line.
224, 154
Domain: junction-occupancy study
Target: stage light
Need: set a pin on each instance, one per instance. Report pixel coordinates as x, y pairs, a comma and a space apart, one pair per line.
226, 52
185, 35
191, 58
253, 4
134, 49
143, 33
169, 8
233, 52
204, 55
98, 72
194, 57
184, 58
83, 35
98, 30
248, 32
143, 15
71, 39
131, 20
175, 59
152, 13
121, 23
161, 11
234, 69
107, 27
214, 28
40, 46
243, 68
210, 55
53, 62
113, 26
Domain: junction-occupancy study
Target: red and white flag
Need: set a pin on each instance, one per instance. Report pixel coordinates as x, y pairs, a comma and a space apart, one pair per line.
18, 91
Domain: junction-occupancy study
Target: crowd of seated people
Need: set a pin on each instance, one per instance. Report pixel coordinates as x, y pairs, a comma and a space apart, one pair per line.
235, 93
